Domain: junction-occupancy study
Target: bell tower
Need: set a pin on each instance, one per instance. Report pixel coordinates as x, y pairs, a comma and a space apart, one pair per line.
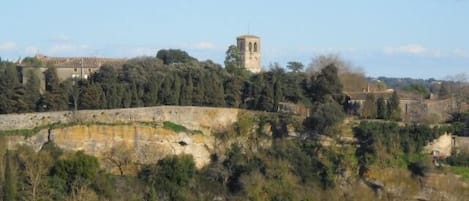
249, 47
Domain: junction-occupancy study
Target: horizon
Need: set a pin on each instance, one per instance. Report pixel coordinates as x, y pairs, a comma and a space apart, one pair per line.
418, 39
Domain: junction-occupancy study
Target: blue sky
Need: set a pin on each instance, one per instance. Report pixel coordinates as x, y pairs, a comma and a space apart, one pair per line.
400, 38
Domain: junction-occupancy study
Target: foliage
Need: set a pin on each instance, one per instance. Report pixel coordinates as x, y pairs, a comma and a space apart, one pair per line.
326, 84
174, 127
295, 66
78, 170
458, 159
325, 117
172, 56
391, 143
169, 176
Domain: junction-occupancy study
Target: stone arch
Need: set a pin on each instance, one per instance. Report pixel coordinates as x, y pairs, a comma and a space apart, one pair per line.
255, 47
250, 47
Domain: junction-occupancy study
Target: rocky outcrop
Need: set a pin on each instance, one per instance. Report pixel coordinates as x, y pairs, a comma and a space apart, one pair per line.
147, 144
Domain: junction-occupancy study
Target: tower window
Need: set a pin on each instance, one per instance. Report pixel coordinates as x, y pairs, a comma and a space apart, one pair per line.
255, 47
250, 47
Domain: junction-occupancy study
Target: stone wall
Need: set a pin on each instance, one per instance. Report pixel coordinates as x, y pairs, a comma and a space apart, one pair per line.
205, 119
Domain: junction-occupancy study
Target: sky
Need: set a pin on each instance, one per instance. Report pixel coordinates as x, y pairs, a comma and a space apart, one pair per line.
398, 38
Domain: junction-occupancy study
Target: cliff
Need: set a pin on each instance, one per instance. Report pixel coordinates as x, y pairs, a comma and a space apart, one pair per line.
138, 131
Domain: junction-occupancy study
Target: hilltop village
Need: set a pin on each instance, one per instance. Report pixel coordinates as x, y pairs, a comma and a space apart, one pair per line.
171, 127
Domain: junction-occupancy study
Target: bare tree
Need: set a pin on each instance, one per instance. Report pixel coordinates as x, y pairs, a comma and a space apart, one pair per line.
122, 156
34, 167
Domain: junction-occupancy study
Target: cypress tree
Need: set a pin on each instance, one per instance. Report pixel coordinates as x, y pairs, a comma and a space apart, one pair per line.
10, 186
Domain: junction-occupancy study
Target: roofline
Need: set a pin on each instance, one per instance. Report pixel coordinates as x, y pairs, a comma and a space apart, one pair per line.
247, 36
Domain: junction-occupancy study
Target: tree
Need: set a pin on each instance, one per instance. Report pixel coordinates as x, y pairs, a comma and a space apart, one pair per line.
91, 96
325, 117
187, 89
326, 84
10, 186
369, 107
121, 156
233, 86
381, 108
107, 77
78, 170
233, 63
295, 66
34, 168
170, 176
32, 93
172, 56
394, 110
11, 90
55, 97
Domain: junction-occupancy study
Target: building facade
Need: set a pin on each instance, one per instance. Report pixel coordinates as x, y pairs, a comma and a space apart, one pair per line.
249, 47
66, 67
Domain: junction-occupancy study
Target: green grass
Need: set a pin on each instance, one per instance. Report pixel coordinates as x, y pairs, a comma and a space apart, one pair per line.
30, 132
174, 127
460, 170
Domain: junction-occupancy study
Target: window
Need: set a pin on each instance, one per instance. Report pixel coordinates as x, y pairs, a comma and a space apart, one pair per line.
255, 47
250, 47
75, 69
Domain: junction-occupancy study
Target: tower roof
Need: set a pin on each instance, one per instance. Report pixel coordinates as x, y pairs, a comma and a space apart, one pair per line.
247, 36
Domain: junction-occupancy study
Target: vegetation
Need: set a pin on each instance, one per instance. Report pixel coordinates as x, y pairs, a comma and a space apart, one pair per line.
258, 158
174, 127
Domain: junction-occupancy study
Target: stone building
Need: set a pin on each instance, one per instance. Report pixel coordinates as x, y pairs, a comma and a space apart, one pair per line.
250, 50
67, 67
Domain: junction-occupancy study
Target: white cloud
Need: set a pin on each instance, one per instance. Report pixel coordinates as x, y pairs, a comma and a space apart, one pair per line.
7, 46
407, 49
415, 49
203, 45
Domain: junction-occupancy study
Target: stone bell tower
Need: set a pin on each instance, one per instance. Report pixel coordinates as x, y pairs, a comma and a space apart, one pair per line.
249, 47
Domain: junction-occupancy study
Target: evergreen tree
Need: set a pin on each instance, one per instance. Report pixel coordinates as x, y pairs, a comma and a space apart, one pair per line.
186, 90
326, 84
232, 90
266, 99
32, 93
92, 97
10, 186
394, 110
381, 108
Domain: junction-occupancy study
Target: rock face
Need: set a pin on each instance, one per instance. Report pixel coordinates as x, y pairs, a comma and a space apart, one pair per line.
205, 119
148, 144
97, 132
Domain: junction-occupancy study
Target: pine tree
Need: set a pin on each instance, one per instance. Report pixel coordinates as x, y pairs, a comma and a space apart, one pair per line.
394, 110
